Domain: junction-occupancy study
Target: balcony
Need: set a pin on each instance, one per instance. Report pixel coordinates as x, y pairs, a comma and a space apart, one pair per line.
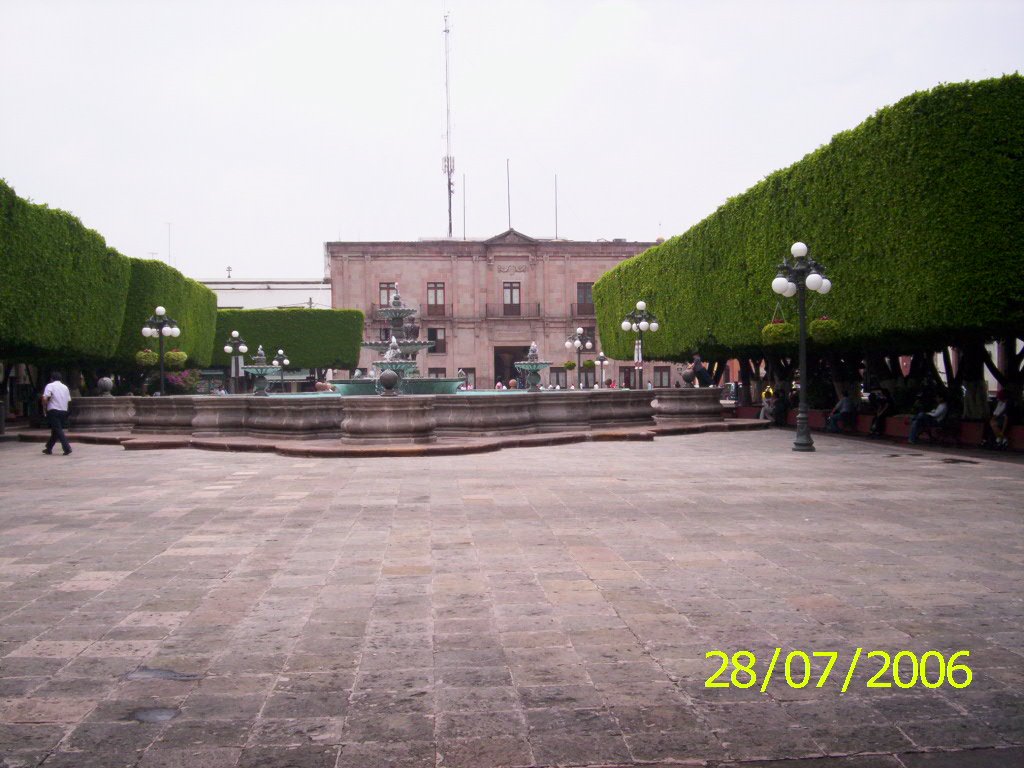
513, 310
436, 310
583, 310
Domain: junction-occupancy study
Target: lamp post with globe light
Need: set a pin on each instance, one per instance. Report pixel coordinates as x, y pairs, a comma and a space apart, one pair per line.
160, 325
281, 360
639, 321
579, 341
795, 278
600, 364
236, 347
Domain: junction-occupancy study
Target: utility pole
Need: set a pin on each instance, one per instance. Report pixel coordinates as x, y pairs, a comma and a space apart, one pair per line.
448, 164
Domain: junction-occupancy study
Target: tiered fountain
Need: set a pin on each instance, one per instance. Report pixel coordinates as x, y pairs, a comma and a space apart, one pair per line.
531, 367
399, 356
260, 370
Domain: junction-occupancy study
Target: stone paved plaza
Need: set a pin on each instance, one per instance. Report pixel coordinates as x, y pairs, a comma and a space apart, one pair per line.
533, 607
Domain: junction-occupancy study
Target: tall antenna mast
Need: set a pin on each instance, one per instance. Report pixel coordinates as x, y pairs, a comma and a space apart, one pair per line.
556, 206
448, 164
508, 192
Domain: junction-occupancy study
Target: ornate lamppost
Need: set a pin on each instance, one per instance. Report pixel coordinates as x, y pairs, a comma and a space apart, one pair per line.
235, 346
600, 365
281, 360
579, 341
639, 321
795, 278
161, 325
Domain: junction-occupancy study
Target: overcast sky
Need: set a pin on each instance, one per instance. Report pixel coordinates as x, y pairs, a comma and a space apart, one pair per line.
261, 129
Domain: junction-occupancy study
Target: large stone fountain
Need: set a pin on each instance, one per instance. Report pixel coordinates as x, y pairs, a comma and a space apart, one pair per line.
398, 358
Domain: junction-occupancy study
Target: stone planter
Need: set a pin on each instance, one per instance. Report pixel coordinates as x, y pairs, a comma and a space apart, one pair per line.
389, 420
217, 416
171, 414
102, 414
700, 404
300, 418
483, 415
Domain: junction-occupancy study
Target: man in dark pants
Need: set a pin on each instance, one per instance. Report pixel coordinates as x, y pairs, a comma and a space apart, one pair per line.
56, 401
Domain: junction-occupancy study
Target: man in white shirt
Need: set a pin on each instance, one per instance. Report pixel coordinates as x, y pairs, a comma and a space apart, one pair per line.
933, 418
56, 400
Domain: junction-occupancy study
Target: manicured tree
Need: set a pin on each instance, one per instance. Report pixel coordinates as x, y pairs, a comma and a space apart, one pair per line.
191, 304
62, 290
918, 213
312, 338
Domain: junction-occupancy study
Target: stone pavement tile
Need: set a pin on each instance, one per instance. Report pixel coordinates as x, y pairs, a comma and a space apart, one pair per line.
463, 725
25, 737
116, 737
207, 706
762, 743
592, 748
185, 734
242, 685
38, 710
950, 733
371, 725
195, 757
484, 752
289, 757
383, 754
674, 745
473, 676
407, 700
858, 761
297, 731
969, 758
307, 704
104, 759
853, 736
477, 698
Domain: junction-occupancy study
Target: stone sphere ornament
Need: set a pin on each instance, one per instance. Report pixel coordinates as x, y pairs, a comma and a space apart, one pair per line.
105, 384
388, 380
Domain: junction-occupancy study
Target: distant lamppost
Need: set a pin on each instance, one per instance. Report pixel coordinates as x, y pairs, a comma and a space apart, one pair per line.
579, 341
281, 360
235, 346
600, 365
161, 325
639, 321
795, 278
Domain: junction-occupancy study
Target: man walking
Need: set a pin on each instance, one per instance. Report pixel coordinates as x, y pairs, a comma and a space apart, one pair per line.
56, 399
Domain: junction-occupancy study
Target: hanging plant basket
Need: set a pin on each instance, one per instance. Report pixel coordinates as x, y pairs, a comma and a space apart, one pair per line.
824, 330
569, 365
175, 359
777, 334
589, 365
146, 358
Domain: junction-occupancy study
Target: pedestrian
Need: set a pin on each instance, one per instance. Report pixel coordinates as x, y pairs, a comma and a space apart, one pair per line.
56, 400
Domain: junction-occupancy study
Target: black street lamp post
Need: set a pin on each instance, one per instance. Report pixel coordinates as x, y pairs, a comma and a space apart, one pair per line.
579, 341
282, 361
161, 325
236, 347
639, 321
795, 278
600, 366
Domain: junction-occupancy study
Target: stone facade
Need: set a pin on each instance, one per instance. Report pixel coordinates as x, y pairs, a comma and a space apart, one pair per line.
485, 301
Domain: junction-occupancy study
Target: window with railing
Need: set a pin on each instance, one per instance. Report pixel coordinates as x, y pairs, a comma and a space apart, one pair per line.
436, 373
584, 305
387, 292
511, 303
663, 376
435, 300
437, 335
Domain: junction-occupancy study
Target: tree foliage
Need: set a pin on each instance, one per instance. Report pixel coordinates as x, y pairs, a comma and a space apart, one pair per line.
311, 338
918, 214
62, 290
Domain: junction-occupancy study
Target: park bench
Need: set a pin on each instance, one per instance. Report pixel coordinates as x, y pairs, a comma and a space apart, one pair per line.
946, 432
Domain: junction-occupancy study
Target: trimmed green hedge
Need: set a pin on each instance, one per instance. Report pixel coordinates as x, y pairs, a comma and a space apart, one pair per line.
918, 214
191, 304
311, 338
62, 290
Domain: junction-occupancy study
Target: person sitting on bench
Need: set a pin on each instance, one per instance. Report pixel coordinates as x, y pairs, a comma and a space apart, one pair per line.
929, 419
995, 427
844, 416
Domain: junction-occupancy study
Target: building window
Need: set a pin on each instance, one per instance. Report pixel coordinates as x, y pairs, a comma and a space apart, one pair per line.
436, 373
387, 292
470, 377
627, 379
584, 299
437, 336
663, 376
435, 299
557, 376
385, 332
510, 299
588, 378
